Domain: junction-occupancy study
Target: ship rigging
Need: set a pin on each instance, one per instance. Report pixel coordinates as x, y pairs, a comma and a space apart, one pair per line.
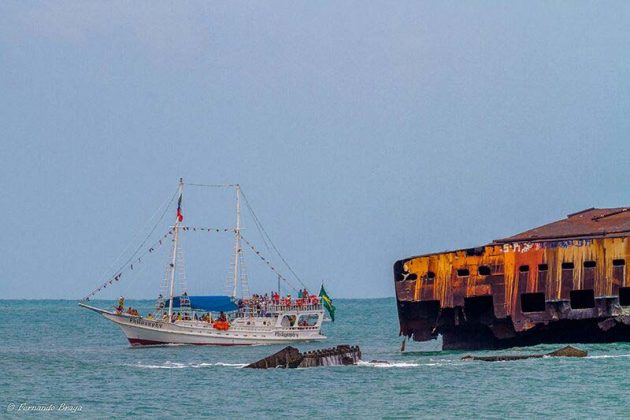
217, 320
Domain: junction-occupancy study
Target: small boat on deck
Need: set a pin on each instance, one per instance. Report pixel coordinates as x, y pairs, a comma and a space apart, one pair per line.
218, 320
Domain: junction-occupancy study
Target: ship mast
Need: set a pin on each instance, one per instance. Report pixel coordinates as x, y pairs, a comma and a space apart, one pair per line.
237, 239
174, 254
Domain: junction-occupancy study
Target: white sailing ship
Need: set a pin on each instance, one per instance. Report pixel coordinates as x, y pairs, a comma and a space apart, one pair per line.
219, 320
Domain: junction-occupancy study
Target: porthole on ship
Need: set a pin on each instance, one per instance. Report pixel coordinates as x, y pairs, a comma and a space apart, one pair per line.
564, 282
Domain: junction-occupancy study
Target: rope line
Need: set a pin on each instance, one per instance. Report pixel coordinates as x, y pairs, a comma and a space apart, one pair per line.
264, 234
150, 233
136, 258
166, 206
120, 272
167, 203
149, 250
266, 261
210, 229
211, 185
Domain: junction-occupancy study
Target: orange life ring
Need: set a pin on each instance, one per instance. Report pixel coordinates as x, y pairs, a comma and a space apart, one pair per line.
221, 325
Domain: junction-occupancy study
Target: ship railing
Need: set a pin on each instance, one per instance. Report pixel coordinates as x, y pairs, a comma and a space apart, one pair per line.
248, 311
274, 328
198, 323
294, 307
245, 311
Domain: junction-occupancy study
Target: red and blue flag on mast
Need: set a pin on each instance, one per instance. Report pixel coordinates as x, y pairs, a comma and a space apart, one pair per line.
180, 215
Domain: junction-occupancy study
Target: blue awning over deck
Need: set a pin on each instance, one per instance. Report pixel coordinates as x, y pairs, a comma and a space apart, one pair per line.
208, 303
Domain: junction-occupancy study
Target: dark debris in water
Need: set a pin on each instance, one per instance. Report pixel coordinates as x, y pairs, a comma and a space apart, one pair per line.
567, 351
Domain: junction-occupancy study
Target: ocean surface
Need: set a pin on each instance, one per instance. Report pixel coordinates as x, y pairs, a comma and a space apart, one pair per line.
61, 359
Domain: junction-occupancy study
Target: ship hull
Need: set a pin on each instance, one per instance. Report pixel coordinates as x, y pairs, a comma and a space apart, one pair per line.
521, 291
143, 332
492, 333
173, 334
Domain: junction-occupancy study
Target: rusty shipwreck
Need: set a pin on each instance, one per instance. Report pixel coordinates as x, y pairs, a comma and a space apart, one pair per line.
564, 282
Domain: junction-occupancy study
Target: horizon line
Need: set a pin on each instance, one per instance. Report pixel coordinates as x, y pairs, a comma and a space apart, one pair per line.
153, 299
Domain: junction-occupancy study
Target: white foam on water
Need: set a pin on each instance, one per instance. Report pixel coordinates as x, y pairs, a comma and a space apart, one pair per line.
607, 356
166, 365
175, 365
388, 364
431, 362
238, 365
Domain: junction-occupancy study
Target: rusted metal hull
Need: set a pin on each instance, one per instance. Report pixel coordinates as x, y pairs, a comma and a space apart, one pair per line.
519, 292
567, 351
290, 357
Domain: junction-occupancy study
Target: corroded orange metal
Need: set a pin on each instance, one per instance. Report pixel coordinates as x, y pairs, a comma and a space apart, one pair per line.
532, 262
505, 260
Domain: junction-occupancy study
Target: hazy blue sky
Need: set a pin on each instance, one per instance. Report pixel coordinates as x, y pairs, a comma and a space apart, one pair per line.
362, 132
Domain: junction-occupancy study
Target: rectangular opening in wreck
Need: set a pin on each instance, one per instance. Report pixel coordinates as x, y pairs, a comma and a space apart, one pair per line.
532, 302
567, 266
426, 309
543, 267
484, 270
590, 264
619, 263
477, 306
463, 272
582, 299
523, 269
624, 296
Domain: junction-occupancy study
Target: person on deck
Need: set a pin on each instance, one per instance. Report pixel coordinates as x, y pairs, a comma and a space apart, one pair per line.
121, 305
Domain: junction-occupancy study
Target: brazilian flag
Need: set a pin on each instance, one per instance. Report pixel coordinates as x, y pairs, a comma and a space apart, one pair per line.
327, 302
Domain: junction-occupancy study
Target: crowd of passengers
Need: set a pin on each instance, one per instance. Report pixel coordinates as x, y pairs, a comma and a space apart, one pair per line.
176, 316
257, 303
188, 316
261, 303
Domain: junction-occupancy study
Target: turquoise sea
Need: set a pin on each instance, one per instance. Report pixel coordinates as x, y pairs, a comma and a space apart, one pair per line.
58, 357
